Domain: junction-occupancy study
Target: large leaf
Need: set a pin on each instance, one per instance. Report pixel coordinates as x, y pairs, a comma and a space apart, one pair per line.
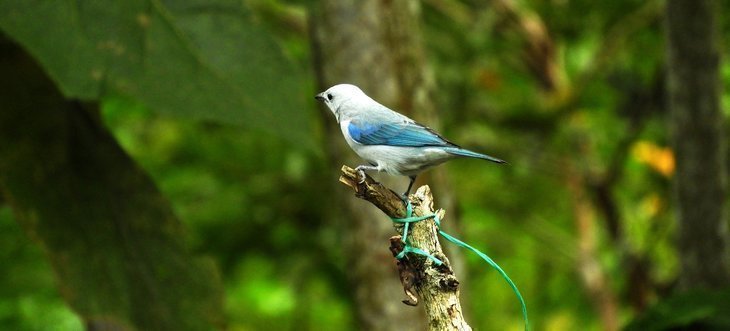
118, 251
203, 59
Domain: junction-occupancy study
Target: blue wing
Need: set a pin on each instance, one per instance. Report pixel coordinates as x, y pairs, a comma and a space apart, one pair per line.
395, 134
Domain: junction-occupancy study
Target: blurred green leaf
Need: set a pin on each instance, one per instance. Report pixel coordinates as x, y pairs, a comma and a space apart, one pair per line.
201, 59
28, 298
693, 310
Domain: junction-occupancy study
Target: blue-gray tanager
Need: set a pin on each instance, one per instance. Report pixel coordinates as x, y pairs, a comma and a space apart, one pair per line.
387, 140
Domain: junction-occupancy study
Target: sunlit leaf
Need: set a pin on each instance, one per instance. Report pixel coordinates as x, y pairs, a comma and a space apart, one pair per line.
661, 159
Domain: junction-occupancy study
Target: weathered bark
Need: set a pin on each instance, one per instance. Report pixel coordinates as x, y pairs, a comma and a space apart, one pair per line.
111, 237
539, 51
592, 273
435, 284
698, 140
418, 99
370, 44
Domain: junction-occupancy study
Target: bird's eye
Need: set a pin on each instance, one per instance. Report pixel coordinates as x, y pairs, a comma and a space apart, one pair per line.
329, 97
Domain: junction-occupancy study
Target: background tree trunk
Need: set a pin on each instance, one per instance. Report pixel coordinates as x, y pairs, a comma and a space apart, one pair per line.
116, 248
698, 140
375, 45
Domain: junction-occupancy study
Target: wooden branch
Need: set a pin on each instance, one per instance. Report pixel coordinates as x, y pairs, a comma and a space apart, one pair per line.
436, 284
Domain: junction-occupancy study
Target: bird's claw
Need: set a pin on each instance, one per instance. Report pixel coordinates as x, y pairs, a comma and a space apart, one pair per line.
362, 175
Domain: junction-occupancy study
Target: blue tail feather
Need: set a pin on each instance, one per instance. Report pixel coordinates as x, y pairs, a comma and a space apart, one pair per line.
468, 153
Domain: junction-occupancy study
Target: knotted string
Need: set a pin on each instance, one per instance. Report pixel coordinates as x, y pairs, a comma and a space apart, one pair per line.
406, 221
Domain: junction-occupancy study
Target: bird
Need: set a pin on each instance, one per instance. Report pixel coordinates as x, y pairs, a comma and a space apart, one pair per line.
387, 140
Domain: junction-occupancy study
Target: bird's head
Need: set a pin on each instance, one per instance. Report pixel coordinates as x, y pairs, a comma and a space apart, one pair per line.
338, 97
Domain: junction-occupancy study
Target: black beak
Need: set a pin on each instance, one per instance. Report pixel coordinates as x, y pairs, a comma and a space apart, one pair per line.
320, 97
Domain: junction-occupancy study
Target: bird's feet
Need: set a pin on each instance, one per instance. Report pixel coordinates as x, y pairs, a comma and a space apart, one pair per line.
361, 171
362, 176
404, 197
408, 190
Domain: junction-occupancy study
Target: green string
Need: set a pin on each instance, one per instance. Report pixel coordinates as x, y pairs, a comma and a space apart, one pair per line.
410, 249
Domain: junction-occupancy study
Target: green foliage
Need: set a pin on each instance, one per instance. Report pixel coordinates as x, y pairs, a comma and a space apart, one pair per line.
28, 299
693, 310
255, 206
262, 209
115, 247
201, 59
